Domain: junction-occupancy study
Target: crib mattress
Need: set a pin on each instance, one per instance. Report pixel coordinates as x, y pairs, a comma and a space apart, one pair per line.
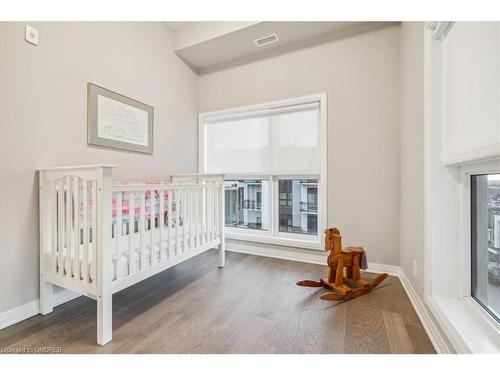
131, 260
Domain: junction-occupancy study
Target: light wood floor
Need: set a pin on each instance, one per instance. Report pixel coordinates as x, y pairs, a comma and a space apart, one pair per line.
250, 306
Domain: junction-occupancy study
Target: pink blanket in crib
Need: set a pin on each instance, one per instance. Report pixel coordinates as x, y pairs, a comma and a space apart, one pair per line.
152, 204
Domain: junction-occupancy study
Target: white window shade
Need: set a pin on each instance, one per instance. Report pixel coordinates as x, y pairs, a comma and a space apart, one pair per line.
284, 140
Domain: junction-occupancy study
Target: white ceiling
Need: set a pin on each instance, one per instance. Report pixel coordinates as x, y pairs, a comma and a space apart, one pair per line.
236, 45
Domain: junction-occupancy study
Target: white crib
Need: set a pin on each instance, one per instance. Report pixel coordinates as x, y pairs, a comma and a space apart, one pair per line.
97, 238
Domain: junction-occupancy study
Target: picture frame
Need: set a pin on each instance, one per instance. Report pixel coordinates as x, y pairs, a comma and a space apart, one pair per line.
117, 121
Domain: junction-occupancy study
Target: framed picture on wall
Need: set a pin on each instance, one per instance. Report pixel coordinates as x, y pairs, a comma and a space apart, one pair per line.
117, 121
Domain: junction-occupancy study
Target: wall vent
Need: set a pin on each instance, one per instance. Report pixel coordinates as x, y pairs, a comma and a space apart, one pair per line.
265, 40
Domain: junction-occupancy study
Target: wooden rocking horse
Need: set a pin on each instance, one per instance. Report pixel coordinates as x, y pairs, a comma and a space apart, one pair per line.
344, 267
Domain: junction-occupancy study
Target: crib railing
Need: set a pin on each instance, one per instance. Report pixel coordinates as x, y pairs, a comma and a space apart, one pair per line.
87, 223
163, 221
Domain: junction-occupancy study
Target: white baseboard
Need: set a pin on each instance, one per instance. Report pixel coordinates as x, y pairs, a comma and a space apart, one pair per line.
431, 328
20, 313
379, 268
313, 256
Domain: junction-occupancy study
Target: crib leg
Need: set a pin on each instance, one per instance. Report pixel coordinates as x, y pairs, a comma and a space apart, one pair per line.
104, 319
222, 253
46, 299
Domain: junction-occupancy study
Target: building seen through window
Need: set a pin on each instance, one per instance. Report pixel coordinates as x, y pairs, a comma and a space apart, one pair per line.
298, 206
247, 204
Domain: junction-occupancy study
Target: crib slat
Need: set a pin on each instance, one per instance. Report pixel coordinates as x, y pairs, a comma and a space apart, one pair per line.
191, 218
131, 232
118, 233
93, 274
203, 221
170, 214
203, 209
216, 212
192, 228
161, 220
190, 215
200, 214
181, 220
60, 227
185, 218
152, 216
199, 227
76, 194
85, 271
142, 219
177, 226
195, 216
209, 213
188, 220
206, 209
212, 213
67, 226
53, 226
212, 223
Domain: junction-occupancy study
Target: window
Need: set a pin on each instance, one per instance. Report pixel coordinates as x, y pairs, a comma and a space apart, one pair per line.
274, 159
298, 206
485, 241
246, 204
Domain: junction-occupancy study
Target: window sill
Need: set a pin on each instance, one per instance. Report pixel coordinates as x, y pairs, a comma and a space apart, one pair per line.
291, 242
467, 328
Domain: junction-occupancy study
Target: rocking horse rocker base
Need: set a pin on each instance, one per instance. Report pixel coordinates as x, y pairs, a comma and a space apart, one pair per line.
344, 276
343, 292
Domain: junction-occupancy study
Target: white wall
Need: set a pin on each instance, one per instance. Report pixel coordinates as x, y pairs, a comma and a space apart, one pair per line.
43, 120
360, 74
412, 153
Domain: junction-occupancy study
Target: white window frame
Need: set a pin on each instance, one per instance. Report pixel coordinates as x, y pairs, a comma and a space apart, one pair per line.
466, 172
273, 236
